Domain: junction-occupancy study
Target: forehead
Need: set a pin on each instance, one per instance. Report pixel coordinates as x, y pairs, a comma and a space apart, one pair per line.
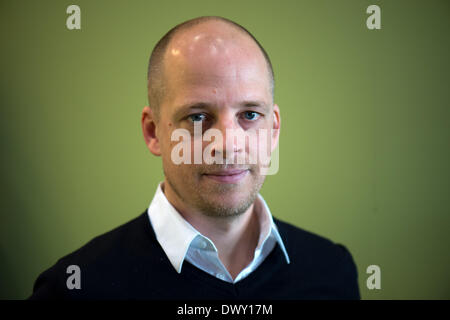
217, 57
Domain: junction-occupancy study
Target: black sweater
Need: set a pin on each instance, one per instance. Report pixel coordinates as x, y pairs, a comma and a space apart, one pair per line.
129, 263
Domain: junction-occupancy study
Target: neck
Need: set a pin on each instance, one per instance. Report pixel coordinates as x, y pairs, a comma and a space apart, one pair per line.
235, 237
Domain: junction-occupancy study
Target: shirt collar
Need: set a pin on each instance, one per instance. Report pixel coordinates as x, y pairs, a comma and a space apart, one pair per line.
176, 235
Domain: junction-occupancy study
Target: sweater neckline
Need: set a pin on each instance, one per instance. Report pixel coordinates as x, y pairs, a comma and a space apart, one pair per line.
270, 265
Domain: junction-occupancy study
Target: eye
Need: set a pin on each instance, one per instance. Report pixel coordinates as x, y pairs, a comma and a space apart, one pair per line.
251, 115
197, 117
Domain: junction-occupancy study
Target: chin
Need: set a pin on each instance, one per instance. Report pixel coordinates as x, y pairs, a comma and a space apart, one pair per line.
228, 197
228, 204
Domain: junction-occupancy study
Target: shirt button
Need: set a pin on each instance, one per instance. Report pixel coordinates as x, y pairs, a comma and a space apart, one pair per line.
203, 244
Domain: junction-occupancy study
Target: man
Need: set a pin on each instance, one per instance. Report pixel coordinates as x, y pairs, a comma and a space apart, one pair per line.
208, 233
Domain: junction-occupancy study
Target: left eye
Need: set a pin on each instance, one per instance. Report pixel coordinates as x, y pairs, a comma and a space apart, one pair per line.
197, 117
251, 115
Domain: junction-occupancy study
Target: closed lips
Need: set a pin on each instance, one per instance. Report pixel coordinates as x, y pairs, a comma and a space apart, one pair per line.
226, 173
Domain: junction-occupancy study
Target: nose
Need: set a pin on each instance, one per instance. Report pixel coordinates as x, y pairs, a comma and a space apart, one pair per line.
231, 145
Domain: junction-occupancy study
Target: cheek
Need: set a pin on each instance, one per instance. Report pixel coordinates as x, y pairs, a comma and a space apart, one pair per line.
166, 141
174, 160
261, 145
166, 150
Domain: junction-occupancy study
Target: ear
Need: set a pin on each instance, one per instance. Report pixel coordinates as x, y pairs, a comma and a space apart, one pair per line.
276, 126
149, 128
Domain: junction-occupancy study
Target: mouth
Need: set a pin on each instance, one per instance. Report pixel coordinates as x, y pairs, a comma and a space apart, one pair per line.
227, 176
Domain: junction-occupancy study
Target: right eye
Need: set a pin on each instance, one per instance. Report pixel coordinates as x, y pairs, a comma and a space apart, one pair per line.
197, 117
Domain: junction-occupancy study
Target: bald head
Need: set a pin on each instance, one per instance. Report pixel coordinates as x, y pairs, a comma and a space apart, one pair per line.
203, 43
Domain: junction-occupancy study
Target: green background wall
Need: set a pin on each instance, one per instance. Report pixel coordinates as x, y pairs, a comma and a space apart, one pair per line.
364, 151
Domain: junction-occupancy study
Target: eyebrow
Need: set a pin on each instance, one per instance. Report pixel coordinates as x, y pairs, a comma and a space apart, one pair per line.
255, 103
206, 105
184, 109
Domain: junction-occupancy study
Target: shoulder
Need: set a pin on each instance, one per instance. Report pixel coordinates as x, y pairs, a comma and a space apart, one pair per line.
101, 258
309, 245
126, 238
132, 234
323, 260
300, 240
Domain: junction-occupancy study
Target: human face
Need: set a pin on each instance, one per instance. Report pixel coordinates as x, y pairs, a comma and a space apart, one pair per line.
224, 85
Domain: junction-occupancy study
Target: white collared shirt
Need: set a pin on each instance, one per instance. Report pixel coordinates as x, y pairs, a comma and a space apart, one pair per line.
181, 241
